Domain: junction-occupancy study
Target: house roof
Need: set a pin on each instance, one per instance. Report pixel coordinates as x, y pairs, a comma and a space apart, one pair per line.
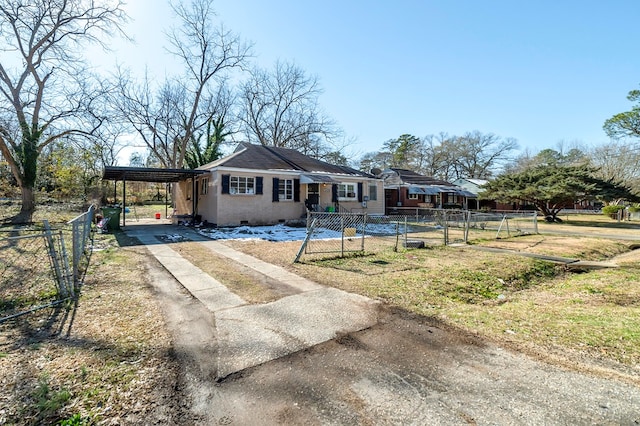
412, 178
260, 157
477, 182
143, 174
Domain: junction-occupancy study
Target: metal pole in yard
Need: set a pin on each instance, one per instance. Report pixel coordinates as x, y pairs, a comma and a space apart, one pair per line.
397, 235
342, 236
446, 228
364, 227
310, 229
406, 231
466, 226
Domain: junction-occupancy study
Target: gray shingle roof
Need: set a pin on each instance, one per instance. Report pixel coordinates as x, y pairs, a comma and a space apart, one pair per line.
250, 156
413, 178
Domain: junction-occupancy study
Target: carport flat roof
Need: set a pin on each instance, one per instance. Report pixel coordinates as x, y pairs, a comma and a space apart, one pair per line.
145, 174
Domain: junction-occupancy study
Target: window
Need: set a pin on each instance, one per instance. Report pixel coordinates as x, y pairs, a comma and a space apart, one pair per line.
413, 196
241, 185
347, 191
373, 192
285, 189
204, 186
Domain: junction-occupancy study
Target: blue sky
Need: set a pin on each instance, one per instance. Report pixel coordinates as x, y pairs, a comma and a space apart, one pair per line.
538, 71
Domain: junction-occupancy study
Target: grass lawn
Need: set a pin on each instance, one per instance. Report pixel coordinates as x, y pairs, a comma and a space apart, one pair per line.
590, 317
116, 360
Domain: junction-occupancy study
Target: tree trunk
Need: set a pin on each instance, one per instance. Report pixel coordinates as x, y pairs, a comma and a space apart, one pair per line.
28, 207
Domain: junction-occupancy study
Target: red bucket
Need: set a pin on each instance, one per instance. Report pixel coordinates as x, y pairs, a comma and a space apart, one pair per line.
157, 215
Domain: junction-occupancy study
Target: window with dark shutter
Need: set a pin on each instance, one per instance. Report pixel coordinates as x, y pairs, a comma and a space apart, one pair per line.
259, 185
225, 183
296, 190
334, 193
275, 192
360, 191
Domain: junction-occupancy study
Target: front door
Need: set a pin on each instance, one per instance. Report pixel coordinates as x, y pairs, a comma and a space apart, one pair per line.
313, 195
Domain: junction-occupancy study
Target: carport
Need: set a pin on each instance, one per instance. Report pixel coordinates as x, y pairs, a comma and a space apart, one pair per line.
148, 174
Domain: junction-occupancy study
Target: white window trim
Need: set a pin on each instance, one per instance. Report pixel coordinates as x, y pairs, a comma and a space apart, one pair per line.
233, 190
288, 184
375, 192
204, 186
346, 186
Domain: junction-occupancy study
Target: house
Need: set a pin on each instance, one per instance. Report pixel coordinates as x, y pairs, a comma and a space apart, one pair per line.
407, 189
474, 186
263, 185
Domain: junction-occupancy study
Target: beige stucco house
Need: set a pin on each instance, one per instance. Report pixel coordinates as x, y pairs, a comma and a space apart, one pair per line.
260, 185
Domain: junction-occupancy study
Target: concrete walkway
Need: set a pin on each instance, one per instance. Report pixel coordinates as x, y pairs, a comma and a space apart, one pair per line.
250, 335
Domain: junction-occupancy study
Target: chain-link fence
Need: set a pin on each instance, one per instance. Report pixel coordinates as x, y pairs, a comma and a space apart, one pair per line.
342, 233
505, 223
35, 268
81, 232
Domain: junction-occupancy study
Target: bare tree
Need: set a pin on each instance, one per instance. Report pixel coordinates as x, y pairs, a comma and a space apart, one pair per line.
618, 162
167, 117
280, 108
375, 160
479, 155
46, 90
436, 159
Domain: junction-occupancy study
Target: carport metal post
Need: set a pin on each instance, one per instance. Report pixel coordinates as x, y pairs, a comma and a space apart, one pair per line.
194, 198
166, 200
124, 201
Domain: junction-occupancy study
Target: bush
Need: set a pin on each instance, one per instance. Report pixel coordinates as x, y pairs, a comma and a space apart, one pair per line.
612, 211
452, 206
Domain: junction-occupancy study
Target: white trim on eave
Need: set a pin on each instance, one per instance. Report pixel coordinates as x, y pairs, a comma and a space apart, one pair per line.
288, 172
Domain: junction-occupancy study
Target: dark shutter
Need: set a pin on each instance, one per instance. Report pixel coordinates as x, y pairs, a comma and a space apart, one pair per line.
259, 185
296, 190
276, 184
360, 189
334, 193
225, 183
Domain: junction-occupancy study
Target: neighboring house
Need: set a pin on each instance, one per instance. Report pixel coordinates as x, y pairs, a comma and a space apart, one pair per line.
474, 186
405, 188
261, 185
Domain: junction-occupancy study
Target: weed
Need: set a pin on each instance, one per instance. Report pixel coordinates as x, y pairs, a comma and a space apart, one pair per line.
75, 420
48, 401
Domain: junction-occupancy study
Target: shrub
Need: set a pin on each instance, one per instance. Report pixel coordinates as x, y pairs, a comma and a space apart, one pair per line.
612, 211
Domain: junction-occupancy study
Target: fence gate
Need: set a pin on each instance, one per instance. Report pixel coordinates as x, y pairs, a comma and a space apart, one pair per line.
334, 233
35, 269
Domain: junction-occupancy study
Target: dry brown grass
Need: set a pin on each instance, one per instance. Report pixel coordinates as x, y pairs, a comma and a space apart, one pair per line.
246, 283
583, 248
513, 300
106, 358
